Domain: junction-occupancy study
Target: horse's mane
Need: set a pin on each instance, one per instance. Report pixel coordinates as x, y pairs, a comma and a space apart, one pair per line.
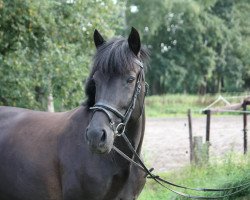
113, 57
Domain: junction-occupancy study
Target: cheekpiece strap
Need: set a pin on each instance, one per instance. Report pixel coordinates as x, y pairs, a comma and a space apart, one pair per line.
138, 62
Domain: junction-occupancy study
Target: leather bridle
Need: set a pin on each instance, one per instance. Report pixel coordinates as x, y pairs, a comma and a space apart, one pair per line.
120, 129
107, 109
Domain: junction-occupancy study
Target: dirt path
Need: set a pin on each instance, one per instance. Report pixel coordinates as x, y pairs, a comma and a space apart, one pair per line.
166, 142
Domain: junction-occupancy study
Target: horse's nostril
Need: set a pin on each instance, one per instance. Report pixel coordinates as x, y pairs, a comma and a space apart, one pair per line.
86, 134
104, 136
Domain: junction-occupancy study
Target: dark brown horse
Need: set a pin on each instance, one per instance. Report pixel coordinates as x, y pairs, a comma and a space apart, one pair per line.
69, 155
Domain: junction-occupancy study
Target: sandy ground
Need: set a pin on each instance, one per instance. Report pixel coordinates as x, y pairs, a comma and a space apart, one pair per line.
166, 142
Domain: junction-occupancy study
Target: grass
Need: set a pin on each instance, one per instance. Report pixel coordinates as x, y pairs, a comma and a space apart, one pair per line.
173, 105
231, 171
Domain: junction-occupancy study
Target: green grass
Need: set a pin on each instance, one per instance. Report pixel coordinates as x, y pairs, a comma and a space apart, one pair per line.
173, 105
231, 171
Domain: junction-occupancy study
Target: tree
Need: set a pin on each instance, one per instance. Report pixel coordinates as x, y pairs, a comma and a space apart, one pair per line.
196, 46
47, 47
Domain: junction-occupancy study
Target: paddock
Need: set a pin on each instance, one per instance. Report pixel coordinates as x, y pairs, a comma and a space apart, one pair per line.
166, 142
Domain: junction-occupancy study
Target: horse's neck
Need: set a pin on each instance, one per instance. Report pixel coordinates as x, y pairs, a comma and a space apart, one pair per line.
135, 133
138, 149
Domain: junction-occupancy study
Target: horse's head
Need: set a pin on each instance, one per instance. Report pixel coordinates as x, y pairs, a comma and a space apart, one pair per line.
115, 89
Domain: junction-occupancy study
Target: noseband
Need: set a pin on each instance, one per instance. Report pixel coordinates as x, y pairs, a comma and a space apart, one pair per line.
107, 109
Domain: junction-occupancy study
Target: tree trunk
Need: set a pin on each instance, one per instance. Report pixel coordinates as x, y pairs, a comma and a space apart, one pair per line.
50, 103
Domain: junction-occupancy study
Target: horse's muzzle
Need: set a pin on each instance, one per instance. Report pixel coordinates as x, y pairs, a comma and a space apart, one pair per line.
97, 140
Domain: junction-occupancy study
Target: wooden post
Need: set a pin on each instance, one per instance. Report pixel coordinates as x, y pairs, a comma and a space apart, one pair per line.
208, 113
191, 146
244, 105
198, 150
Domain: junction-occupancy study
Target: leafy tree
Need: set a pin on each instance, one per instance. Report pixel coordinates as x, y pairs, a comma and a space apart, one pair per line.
46, 47
240, 14
197, 46
230, 74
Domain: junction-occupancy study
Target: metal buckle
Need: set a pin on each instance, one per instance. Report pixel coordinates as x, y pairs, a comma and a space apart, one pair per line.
119, 133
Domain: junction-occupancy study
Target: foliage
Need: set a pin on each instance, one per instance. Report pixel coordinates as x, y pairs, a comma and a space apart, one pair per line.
46, 46
196, 46
231, 171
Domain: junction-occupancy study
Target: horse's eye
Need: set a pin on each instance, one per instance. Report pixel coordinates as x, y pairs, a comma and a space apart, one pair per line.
130, 79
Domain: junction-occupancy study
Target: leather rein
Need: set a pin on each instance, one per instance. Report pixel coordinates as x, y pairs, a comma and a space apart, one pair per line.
119, 131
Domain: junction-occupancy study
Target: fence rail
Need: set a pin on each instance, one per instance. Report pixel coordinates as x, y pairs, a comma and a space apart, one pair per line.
208, 112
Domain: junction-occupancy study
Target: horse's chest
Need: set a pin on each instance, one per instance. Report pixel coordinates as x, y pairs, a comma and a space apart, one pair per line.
108, 185
96, 186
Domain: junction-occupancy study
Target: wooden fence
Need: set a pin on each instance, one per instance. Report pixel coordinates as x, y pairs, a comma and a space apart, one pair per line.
199, 151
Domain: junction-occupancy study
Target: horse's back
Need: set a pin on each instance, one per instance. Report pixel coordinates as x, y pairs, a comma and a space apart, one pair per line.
28, 150
20, 122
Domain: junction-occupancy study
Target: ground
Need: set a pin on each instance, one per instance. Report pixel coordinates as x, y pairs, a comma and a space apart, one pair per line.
166, 142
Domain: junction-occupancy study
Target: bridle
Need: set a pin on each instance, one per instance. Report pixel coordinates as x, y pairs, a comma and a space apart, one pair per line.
107, 109
119, 131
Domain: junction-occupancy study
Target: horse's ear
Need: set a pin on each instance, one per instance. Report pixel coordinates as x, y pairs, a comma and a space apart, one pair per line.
98, 39
134, 41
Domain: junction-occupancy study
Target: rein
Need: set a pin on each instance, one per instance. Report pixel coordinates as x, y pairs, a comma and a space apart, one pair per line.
162, 182
119, 131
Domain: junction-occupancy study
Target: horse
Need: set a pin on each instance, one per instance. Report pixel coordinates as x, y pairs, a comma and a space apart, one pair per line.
70, 155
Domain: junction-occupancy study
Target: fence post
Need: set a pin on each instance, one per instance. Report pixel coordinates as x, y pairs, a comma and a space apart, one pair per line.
198, 150
208, 113
191, 146
244, 105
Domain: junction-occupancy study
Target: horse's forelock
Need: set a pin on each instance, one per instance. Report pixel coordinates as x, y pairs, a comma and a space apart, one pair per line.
115, 57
